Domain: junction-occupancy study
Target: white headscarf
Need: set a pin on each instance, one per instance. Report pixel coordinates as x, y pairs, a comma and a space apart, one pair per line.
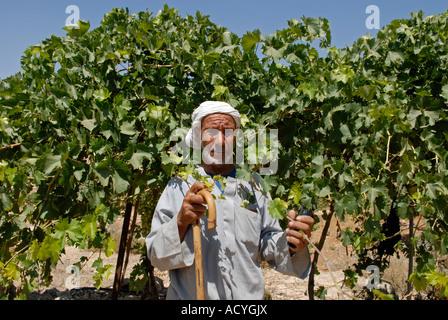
206, 108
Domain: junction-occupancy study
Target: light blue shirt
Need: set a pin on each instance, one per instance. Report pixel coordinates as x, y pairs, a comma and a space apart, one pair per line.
230, 253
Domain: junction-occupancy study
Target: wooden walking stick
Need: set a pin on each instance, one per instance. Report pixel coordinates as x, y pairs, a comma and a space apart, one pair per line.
199, 268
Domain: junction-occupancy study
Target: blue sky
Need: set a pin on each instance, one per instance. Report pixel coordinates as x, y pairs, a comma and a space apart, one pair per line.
28, 22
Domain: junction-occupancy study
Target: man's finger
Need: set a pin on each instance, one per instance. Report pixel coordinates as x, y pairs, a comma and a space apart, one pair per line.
301, 226
294, 233
198, 208
292, 214
196, 187
303, 223
296, 244
306, 219
194, 198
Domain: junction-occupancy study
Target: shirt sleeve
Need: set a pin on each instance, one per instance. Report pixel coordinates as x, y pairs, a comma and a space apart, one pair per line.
274, 247
163, 244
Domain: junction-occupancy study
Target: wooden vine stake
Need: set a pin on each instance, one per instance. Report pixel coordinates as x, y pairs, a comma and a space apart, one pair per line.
199, 268
121, 251
122, 248
316, 253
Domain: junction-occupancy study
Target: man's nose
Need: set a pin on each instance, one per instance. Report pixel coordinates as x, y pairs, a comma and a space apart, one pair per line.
220, 138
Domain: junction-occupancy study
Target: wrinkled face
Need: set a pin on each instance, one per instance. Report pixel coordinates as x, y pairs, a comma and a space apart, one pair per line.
217, 132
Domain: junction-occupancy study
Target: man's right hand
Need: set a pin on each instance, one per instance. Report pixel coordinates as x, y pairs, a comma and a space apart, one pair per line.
192, 209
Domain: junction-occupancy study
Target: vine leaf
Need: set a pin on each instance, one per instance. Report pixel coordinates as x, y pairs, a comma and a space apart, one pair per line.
72, 229
75, 32
250, 40
295, 193
444, 93
51, 162
374, 189
277, 208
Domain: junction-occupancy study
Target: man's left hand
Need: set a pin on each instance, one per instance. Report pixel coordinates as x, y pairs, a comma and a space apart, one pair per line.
295, 237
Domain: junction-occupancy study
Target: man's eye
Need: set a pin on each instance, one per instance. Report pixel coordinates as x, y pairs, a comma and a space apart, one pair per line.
211, 132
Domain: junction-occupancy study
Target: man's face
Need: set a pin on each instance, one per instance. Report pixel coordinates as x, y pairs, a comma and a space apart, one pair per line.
217, 132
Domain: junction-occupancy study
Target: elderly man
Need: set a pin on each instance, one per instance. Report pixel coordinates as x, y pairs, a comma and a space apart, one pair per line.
243, 234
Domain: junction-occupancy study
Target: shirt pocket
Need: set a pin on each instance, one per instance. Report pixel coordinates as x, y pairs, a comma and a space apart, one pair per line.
248, 226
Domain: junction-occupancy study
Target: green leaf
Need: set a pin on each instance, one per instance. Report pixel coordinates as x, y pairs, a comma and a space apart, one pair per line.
372, 228
444, 93
295, 193
436, 278
267, 183
351, 278
318, 160
275, 54
90, 227
350, 203
374, 189
219, 91
412, 116
128, 128
71, 90
121, 176
346, 134
51, 162
89, 124
72, 229
109, 246
323, 192
250, 40
74, 32
98, 263
394, 57
382, 296
5, 202
104, 171
102, 273
366, 92
49, 249
321, 293
142, 152
277, 208
346, 236
418, 281
11, 271
312, 25
309, 88
101, 94
343, 74
123, 106
80, 171
244, 173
